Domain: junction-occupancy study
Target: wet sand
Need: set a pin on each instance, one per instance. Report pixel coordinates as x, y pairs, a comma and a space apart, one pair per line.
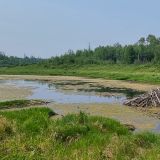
10, 92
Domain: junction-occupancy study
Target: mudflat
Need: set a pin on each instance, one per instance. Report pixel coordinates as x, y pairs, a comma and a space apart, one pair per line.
9, 92
98, 81
122, 113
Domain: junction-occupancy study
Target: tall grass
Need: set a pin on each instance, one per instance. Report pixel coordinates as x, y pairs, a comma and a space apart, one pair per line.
36, 136
149, 73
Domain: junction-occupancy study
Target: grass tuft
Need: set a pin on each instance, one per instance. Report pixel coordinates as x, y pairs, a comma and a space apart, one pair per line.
146, 139
6, 127
73, 137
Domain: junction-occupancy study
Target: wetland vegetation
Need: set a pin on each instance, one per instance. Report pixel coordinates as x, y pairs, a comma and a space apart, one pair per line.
31, 134
137, 62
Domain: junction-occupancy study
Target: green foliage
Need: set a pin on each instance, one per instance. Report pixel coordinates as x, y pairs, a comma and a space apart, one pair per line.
144, 51
83, 118
138, 62
146, 139
149, 73
6, 61
73, 137
70, 133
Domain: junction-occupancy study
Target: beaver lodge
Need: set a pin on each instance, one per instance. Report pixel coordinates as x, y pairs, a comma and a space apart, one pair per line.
150, 99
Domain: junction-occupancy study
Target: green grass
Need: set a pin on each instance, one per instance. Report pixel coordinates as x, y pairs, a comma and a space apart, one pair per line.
30, 134
19, 103
148, 73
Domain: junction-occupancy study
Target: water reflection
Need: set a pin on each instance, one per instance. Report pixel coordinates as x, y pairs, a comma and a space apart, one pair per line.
55, 92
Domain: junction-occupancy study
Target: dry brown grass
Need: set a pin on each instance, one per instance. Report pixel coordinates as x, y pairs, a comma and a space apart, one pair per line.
6, 127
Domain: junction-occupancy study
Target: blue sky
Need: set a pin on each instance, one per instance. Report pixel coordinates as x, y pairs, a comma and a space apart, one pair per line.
50, 27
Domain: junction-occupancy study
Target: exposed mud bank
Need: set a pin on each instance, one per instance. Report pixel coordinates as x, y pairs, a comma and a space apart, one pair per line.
98, 81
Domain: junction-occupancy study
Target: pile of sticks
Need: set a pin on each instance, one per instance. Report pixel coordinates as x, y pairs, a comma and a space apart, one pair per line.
149, 99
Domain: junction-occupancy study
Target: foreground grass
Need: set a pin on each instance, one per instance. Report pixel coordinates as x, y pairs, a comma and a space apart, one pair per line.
149, 73
30, 134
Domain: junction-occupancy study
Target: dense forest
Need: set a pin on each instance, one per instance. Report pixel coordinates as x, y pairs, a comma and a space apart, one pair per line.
146, 50
10, 61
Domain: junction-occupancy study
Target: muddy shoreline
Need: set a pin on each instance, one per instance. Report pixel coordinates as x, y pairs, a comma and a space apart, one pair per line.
98, 81
142, 119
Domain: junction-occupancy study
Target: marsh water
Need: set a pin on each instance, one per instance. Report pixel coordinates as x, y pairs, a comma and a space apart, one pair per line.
86, 93
60, 92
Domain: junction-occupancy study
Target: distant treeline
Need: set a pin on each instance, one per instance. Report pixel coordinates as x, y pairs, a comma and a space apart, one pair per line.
146, 50
10, 61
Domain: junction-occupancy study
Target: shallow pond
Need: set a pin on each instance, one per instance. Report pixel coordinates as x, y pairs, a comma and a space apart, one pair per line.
57, 93
86, 93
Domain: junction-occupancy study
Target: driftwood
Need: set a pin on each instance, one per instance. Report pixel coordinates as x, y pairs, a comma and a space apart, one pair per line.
149, 99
